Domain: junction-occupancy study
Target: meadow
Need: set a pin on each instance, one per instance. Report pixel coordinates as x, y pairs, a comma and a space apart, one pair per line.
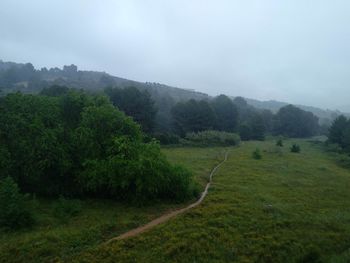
58, 238
285, 207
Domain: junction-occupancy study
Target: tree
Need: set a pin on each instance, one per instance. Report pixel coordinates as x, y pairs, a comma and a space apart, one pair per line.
267, 117
245, 132
14, 212
77, 144
346, 138
294, 122
226, 113
193, 116
337, 129
257, 128
135, 103
54, 91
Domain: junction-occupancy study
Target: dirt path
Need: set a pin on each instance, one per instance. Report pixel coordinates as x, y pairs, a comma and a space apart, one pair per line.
169, 215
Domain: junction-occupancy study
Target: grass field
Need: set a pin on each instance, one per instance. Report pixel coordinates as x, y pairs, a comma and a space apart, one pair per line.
286, 207
54, 240
283, 208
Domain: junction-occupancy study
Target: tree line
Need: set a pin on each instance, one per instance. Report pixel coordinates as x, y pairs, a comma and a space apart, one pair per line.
68, 142
220, 113
339, 133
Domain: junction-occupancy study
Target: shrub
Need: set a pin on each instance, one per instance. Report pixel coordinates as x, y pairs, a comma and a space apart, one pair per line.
212, 138
64, 208
181, 187
138, 172
15, 212
279, 143
295, 148
256, 154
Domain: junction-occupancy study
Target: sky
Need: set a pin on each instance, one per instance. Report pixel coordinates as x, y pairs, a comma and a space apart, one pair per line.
296, 51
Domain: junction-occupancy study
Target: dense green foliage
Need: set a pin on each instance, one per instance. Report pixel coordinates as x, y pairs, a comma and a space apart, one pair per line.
295, 148
212, 138
339, 133
135, 103
226, 113
257, 128
193, 116
236, 115
15, 213
79, 144
293, 122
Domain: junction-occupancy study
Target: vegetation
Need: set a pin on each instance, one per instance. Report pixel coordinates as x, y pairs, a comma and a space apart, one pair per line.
289, 208
167, 138
257, 154
193, 116
77, 144
339, 133
295, 148
295, 123
63, 208
212, 138
279, 143
273, 205
90, 222
97, 149
15, 213
135, 103
226, 114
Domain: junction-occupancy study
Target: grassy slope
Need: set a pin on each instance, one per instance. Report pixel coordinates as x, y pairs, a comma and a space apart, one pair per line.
52, 240
284, 208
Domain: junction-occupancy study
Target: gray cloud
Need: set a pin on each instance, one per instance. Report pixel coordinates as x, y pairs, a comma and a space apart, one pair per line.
295, 51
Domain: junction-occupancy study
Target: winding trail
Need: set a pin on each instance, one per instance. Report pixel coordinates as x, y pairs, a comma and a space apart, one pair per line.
169, 215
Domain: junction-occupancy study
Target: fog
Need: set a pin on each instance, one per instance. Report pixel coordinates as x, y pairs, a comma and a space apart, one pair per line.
295, 51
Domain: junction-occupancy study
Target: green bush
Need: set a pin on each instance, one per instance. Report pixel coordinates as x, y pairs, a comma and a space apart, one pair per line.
295, 148
213, 138
279, 143
256, 154
15, 211
64, 209
138, 172
181, 187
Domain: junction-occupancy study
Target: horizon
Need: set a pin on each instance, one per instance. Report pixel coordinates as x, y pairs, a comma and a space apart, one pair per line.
212, 95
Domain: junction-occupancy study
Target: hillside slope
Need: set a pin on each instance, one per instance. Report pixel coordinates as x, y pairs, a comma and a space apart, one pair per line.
27, 79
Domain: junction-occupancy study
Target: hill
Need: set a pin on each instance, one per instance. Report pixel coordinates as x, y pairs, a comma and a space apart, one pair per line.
325, 115
25, 78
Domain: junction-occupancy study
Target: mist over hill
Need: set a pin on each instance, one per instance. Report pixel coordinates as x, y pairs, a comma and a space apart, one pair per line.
25, 78
325, 115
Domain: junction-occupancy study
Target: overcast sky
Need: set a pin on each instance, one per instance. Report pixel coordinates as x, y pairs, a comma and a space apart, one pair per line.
292, 50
